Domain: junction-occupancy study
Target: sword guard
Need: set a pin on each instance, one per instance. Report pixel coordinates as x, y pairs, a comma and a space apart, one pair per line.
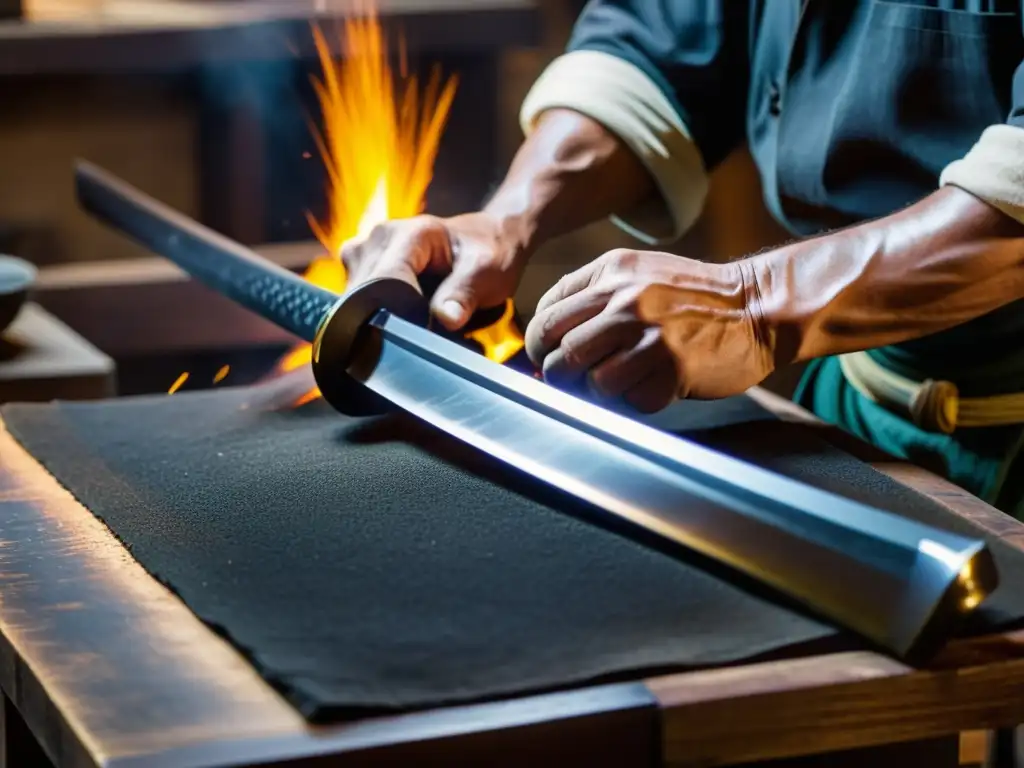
345, 344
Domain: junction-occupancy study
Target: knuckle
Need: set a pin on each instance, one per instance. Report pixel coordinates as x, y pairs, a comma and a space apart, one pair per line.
409, 233
572, 354
378, 230
550, 328
618, 259
412, 228
535, 340
380, 233
560, 287
545, 328
423, 226
350, 253
626, 300
423, 237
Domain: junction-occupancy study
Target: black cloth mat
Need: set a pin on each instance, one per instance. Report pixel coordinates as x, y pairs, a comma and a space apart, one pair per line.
376, 564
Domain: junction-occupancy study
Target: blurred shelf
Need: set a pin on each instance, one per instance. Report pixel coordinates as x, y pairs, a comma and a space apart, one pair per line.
115, 36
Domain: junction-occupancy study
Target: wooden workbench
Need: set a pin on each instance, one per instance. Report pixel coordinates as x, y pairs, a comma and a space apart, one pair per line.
109, 668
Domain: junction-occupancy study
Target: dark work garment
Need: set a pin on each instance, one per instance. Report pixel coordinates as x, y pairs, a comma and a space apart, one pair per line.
378, 564
851, 110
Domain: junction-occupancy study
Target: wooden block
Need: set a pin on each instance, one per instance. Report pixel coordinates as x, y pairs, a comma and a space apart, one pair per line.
42, 359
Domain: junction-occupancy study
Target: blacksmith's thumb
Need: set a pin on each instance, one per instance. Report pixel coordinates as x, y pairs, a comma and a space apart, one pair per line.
455, 301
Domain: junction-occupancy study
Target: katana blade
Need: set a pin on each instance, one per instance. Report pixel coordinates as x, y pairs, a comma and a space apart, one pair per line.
223, 265
901, 584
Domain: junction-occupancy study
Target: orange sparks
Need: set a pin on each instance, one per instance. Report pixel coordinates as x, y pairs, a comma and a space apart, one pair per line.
380, 138
309, 397
177, 383
221, 373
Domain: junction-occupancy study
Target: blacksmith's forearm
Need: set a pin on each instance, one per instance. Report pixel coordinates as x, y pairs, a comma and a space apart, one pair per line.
946, 260
569, 172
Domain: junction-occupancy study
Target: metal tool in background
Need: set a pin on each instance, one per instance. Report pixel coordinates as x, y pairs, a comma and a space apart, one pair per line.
901, 584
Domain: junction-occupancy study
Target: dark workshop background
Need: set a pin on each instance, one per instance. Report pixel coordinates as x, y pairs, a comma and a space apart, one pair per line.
150, 129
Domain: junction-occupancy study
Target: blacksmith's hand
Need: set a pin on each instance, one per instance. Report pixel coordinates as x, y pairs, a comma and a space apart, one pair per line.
650, 327
482, 262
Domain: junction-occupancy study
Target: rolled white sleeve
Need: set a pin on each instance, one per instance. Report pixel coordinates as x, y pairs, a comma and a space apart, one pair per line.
993, 170
628, 103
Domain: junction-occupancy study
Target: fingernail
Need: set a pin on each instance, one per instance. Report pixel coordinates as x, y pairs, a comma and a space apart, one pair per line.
451, 310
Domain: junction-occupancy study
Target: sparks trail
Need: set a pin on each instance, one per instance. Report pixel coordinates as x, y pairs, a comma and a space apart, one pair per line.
178, 382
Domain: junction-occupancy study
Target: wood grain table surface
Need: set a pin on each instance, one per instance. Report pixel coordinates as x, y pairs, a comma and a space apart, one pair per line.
109, 668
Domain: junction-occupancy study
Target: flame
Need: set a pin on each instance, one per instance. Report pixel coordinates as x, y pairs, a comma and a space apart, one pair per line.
379, 142
502, 340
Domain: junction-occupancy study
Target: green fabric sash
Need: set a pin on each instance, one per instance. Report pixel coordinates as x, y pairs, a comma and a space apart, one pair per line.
984, 461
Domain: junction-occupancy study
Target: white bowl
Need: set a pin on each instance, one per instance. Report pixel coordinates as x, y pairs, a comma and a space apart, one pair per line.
16, 279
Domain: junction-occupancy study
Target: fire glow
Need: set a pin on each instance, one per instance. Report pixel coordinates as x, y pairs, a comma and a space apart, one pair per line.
379, 141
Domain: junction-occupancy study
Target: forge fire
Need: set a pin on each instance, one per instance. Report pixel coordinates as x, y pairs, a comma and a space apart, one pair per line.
380, 137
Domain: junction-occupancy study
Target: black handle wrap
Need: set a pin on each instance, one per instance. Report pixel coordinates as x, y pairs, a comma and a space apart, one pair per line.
230, 269
245, 277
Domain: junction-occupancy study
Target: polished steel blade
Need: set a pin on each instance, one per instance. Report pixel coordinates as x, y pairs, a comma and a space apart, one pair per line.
897, 582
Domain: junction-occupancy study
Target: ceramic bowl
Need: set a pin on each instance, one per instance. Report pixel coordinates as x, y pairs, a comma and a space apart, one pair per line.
16, 279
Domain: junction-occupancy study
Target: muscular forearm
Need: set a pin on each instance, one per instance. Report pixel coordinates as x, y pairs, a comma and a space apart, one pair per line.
944, 261
569, 172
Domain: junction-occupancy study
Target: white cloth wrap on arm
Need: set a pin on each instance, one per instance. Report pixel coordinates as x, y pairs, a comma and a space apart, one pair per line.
993, 170
622, 98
